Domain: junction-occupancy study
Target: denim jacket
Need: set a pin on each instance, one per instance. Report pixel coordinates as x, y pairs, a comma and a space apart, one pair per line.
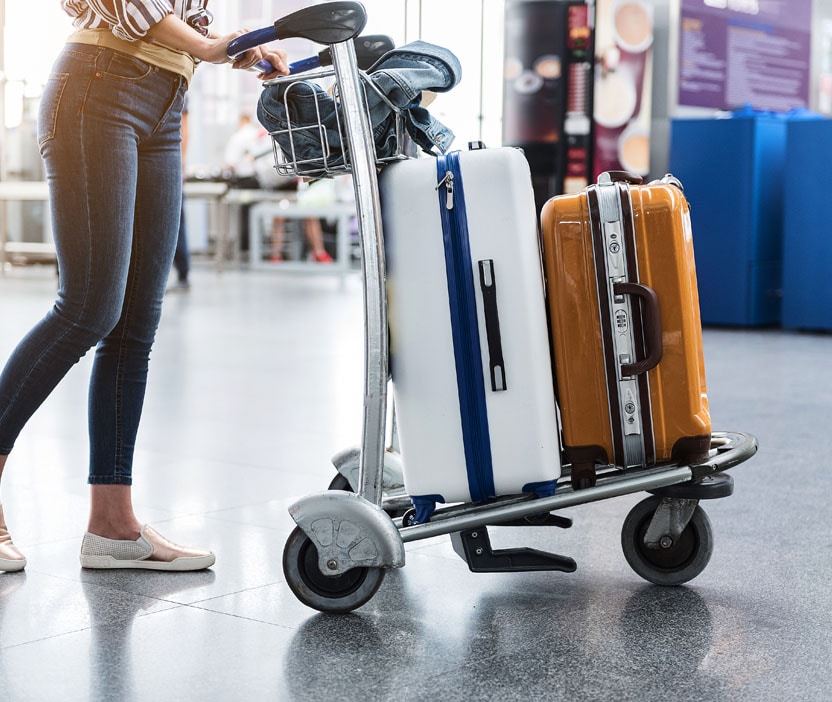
400, 75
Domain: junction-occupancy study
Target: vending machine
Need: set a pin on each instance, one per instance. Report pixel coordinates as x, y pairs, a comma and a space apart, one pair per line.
548, 91
623, 85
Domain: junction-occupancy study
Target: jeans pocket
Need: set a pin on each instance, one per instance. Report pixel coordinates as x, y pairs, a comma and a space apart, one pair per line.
50, 103
124, 67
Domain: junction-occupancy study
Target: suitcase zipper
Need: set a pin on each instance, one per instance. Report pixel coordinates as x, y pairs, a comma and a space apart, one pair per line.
467, 350
448, 182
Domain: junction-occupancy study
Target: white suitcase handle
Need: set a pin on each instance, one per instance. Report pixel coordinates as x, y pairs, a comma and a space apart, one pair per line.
496, 364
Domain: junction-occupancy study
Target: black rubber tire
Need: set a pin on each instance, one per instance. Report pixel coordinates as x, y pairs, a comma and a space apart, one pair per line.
339, 482
676, 565
332, 594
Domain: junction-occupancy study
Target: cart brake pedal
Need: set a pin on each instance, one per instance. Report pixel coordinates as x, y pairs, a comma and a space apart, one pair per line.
711, 487
543, 519
474, 547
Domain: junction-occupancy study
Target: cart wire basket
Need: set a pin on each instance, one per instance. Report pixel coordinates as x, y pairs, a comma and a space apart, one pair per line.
318, 147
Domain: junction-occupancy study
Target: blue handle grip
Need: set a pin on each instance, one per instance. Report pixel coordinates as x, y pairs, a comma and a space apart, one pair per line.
249, 40
301, 66
306, 64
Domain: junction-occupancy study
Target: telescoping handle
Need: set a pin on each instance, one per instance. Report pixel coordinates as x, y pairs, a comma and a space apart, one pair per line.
328, 23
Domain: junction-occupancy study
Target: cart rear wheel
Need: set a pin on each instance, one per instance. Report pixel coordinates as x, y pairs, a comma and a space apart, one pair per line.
682, 561
326, 593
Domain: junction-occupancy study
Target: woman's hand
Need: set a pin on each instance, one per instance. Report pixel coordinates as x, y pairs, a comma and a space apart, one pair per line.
275, 57
214, 49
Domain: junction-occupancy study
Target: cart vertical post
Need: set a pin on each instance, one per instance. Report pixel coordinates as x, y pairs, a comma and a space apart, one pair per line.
368, 209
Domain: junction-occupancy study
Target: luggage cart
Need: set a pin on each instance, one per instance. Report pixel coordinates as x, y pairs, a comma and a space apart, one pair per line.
347, 537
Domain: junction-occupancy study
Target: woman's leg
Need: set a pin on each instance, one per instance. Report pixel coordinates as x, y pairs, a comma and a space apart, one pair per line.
120, 368
111, 512
115, 537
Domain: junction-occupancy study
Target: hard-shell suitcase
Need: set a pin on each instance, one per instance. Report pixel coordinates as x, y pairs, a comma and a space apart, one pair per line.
469, 348
627, 338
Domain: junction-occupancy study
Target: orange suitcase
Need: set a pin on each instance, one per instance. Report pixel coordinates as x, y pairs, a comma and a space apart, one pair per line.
627, 337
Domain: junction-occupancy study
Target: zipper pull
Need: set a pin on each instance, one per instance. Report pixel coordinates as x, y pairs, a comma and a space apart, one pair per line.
448, 182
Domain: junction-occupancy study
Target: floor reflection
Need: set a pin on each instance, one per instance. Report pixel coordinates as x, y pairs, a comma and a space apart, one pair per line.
112, 614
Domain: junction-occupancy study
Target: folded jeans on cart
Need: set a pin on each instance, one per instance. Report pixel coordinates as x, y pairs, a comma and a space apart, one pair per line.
292, 110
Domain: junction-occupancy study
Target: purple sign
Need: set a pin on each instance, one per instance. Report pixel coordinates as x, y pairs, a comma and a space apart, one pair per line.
738, 52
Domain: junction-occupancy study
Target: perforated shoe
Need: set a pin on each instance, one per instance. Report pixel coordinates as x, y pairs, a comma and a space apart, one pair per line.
151, 551
10, 558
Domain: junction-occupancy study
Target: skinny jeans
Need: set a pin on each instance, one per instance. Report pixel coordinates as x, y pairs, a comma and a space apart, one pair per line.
109, 134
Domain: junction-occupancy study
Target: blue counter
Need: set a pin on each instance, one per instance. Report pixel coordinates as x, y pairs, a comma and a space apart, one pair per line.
732, 171
807, 226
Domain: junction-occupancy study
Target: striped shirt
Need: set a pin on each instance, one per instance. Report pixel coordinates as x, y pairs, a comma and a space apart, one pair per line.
127, 19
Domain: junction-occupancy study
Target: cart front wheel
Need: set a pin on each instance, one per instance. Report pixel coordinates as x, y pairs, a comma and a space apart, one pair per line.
681, 561
326, 593
340, 482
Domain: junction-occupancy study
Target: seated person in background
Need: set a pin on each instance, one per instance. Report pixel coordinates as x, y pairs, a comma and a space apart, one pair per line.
318, 193
239, 153
314, 233
248, 157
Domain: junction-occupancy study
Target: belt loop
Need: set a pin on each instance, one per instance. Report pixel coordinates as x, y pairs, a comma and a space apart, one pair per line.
99, 53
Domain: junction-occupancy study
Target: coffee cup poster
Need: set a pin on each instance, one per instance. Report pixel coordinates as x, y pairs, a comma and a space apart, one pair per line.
623, 85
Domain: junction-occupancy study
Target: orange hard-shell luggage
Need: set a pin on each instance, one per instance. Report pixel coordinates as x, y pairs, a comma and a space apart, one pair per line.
627, 337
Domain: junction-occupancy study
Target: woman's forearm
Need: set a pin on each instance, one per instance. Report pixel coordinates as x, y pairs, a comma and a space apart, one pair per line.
173, 32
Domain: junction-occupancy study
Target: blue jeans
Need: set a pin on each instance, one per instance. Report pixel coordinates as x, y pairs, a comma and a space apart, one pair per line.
109, 135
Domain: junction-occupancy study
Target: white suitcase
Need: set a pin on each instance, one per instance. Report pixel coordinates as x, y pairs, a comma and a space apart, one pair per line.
469, 346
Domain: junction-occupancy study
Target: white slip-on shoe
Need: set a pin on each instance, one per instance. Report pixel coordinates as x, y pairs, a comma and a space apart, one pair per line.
11, 559
151, 551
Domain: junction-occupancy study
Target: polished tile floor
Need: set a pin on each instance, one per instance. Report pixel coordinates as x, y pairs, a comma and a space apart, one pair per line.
256, 382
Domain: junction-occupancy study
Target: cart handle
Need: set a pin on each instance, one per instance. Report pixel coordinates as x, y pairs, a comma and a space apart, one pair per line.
329, 23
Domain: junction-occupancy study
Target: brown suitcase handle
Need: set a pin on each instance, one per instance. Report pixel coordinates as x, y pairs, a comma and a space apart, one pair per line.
620, 177
652, 322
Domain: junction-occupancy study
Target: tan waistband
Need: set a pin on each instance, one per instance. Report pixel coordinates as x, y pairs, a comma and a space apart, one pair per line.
152, 52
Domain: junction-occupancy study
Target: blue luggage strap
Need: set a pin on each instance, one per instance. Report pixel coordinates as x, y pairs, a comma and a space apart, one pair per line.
463, 308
